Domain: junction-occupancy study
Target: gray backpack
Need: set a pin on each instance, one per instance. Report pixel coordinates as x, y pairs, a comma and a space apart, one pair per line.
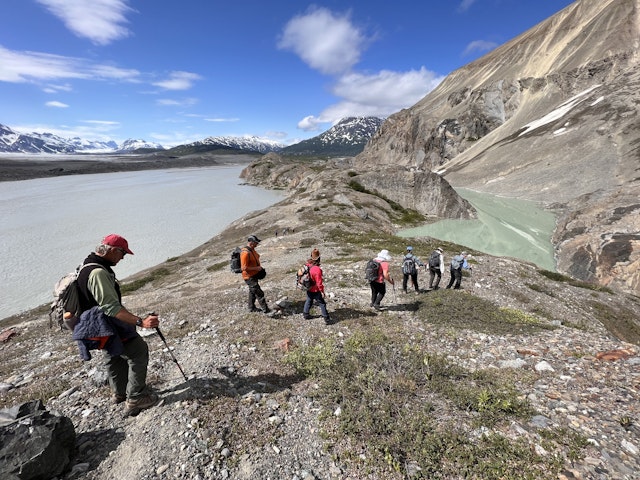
434, 260
409, 265
65, 308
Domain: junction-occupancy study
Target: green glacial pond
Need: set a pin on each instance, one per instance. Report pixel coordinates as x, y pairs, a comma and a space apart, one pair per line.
505, 227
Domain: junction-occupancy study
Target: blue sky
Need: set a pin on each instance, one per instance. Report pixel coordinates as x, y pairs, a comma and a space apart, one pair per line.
176, 72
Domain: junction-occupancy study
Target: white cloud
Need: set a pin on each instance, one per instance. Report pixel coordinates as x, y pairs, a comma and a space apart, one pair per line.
101, 21
310, 123
326, 41
56, 104
221, 120
26, 66
479, 46
331, 44
465, 5
377, 95
96, 130
178, 81
57, 88
103, 123
168, 102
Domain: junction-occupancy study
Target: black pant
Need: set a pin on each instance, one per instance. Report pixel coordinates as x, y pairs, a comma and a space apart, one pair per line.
414, 279
255, 293
433, 273
378, 291
456, 276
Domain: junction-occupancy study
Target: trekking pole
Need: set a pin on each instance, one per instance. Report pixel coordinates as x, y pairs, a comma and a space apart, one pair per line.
171, 353
175, 360
394, 293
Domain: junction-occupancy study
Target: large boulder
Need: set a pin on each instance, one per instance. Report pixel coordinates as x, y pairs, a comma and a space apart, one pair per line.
34, 444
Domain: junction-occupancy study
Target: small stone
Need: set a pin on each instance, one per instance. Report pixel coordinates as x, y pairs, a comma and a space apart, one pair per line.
543, 366
629, 447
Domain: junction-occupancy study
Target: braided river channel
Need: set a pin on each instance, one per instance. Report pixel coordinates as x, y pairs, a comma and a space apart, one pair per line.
49, 225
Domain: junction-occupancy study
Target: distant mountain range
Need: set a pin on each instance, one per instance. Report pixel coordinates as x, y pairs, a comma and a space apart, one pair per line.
347, 138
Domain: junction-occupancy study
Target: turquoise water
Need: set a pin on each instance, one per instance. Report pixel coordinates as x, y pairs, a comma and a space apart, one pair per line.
505, 227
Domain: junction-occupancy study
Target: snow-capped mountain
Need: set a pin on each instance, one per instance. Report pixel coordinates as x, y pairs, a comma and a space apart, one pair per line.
13, 142
131, 145
248, 144
348, 137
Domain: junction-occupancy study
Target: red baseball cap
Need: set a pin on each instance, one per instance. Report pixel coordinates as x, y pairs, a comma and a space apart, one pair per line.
114, 240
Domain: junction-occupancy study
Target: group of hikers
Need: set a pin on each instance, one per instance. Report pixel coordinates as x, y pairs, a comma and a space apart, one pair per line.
378, 277
410, 268
107, 325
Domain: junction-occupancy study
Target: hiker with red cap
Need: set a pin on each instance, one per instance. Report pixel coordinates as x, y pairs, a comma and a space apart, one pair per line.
105, 320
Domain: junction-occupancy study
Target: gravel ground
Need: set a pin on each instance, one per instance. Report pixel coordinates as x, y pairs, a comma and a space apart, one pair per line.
244, 414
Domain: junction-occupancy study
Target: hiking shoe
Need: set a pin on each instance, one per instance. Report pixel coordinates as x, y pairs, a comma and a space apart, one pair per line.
328, 321
254, 309
306, 316
116, 399
135, 405
267, 310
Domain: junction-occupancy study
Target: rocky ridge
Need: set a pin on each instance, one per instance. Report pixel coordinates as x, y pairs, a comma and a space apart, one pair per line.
550, 116
244, 414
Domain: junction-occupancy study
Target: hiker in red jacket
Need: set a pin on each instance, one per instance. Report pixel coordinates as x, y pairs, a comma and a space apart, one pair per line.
316, 291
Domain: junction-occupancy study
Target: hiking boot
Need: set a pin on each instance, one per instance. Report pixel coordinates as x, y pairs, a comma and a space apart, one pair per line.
254, 309
306, 316
266, 310
135, 405
328, 321
116, 399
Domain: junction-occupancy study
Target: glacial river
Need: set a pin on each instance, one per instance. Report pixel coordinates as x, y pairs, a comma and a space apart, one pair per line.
49, 225
505, 227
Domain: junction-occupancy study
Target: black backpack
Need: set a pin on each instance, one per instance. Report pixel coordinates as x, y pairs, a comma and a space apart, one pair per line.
371, 270
234, 264
434, 260
409, 265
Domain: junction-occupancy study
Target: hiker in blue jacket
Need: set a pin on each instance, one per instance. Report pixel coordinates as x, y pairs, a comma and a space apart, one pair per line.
410, 264
458, 262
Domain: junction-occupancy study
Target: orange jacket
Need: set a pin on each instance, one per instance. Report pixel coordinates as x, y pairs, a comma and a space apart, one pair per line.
249, 262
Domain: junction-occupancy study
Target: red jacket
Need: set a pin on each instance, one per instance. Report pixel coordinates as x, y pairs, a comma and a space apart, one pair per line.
315, 272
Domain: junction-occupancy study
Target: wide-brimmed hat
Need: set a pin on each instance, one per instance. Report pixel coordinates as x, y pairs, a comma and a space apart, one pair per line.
117, 241
384, 255
253, 238
439, 249
409, 249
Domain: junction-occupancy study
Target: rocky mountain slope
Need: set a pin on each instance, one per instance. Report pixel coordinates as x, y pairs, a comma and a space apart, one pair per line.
258, 406
551, 116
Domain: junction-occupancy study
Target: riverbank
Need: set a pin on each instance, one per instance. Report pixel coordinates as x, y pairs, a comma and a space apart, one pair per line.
24, 167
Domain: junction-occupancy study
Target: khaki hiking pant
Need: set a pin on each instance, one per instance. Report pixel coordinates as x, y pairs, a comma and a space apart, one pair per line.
128, 371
